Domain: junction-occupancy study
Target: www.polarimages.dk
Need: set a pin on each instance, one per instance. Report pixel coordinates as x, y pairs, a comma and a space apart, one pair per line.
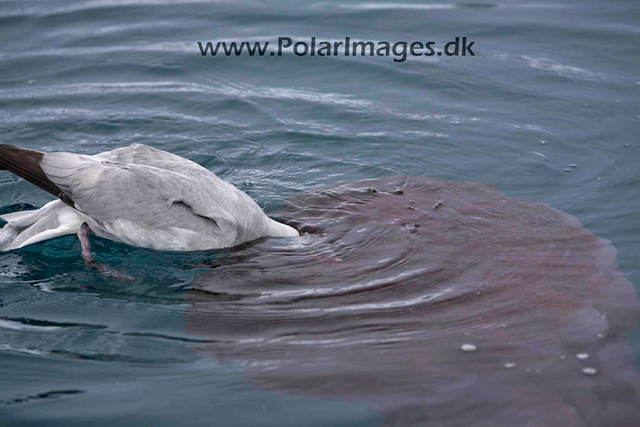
460, 46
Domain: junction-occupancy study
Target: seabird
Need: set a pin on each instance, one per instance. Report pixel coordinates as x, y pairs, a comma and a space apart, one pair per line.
137, 195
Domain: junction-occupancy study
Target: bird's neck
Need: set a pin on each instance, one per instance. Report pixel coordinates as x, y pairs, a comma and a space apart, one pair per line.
278, 229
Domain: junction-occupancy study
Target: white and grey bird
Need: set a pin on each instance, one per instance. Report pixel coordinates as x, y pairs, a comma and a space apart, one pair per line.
136, 195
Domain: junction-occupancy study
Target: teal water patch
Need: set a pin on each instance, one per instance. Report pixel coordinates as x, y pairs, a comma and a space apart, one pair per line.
201, 393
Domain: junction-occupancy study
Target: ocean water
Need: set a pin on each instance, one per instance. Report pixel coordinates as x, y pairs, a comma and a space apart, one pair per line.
362, 321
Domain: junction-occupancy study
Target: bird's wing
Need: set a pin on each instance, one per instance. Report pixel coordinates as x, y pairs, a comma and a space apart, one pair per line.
147, 197
141, 154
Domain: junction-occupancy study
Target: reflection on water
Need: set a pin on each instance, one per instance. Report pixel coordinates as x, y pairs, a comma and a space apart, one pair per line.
438, 302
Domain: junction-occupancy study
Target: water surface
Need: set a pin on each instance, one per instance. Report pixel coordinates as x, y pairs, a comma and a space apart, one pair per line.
547, 111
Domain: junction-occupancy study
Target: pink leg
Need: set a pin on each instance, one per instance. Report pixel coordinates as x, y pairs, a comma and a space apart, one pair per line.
83, 235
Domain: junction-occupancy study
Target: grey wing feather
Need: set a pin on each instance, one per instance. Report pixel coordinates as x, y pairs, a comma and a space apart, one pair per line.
141, 154
144, 196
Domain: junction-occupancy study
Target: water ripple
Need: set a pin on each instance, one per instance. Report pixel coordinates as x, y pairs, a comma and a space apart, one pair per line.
396, 276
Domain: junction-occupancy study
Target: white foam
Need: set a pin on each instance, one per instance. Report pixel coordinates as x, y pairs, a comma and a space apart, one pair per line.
468, 347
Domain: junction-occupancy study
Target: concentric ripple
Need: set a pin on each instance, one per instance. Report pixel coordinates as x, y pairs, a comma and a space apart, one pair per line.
478, 297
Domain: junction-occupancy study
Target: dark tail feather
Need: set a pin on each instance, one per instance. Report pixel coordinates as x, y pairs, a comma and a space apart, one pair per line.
26, 164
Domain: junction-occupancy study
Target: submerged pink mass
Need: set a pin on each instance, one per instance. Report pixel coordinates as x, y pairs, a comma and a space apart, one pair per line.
398, 276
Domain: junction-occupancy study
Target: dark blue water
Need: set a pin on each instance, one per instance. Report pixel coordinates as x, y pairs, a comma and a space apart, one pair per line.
548, 110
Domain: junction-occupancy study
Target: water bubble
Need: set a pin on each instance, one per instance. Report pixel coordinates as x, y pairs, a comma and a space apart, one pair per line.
567, 170
589, 371
573, 165
468, 347
582, 356
562, 356
249, 183
543, 142
510, 365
